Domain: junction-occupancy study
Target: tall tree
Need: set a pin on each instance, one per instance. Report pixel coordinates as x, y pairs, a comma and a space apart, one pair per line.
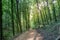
40, 13
1, 33
45, 13
58, 1
48, 10
54, 14
12, 17
18, 15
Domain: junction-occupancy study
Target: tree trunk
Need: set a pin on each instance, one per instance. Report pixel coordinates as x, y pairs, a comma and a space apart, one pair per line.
39, 11
19, 19
1, 33
58, 1
48, 10
12, 17
54, 14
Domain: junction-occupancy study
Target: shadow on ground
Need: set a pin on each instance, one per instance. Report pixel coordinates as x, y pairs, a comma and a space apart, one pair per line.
47, 33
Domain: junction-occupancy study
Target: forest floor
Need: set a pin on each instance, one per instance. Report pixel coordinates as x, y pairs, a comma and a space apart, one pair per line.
50, 32
30, 35
38, 34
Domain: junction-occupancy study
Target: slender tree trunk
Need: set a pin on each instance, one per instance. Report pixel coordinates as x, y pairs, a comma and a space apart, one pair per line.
48, 10
45, 15
58, 1
1, 33
54, 14
12, 17
28, 21
19, 19
39, 11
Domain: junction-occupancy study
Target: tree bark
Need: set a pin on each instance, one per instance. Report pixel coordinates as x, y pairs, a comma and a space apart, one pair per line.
54, 14
40, 12
1, 33
12, 17
19, 19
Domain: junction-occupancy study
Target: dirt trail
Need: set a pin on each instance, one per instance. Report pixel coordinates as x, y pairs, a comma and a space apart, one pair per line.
46, 33
30, 35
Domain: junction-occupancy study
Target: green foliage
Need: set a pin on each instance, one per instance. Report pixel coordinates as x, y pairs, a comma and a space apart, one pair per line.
28, 14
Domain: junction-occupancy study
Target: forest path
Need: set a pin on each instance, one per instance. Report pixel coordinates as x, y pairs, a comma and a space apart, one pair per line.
30, 35
39, 34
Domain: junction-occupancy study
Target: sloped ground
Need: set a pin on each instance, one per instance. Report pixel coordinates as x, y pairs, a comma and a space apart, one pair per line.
30, 35
50, 32
47, 33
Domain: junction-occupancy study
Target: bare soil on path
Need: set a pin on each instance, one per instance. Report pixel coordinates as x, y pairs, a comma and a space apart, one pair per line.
30, 35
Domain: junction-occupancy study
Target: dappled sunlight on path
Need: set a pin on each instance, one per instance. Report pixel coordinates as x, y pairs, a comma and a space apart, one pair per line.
39, 34
30, 35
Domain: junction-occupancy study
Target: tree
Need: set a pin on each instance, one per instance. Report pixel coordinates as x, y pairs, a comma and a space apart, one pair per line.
48, 10
54, 14
1, 33
58, 2
19, 19
40, 12
12, 17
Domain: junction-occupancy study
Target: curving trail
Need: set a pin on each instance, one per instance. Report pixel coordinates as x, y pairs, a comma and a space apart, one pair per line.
30, 35
49, 33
